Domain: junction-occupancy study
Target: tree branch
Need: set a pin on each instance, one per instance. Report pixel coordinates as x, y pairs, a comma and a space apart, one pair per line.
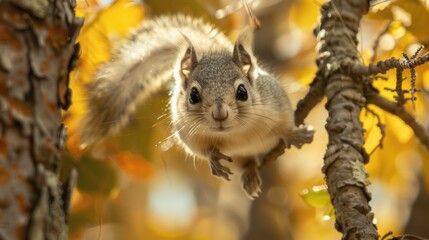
399, 111
345, 157
311, 99
380, 126
384, 66
377, 40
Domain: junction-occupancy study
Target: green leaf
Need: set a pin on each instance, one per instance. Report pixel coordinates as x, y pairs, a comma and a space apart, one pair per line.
317, 196
96, 176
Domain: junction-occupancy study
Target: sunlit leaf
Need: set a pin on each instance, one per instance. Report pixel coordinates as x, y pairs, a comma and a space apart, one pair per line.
419, 17
307, 20
82, 7
99, 36
330, 212
381, 12
317, 196
397, 29
412, 13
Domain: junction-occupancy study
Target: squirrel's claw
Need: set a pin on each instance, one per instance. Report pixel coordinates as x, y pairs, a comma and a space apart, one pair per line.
217, 168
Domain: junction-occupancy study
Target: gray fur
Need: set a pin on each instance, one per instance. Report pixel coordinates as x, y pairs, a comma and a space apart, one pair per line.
198, 57
142, 64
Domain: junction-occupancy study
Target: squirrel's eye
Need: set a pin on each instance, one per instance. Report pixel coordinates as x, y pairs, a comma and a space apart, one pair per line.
241, 93
194, 96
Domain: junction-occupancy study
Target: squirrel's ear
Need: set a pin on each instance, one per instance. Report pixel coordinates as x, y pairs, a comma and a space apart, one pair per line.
242, 54
189, 61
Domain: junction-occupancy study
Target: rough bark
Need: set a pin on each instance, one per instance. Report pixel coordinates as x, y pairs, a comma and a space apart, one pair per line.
344, 159
37, 51
347, 84
345, 90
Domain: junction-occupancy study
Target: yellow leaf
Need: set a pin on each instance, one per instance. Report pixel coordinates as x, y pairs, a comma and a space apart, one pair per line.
411, 13
307, 20
82, 7
396, 29
97, 39
419, 16
380, 12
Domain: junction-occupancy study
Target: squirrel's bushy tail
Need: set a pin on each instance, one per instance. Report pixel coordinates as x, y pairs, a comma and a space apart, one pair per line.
140, 66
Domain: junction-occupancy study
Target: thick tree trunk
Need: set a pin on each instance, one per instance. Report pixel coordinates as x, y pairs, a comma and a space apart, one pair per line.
37, 40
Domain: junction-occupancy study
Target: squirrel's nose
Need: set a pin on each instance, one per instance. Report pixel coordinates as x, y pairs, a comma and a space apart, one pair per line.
220, 114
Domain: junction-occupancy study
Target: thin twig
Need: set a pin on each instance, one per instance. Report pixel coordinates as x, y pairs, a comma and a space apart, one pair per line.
380, 126
390, 233
413, 78
391, 63
313, 97
376, 77
417, 52
399, 91
377, 41
408, 237
421, 133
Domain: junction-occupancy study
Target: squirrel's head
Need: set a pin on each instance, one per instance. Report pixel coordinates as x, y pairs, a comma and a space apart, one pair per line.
216, 90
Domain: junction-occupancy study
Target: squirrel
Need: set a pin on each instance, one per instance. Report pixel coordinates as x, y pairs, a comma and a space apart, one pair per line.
224, 106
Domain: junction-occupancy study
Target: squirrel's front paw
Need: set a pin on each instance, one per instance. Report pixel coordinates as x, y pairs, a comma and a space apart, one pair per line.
300, 136
251, 182
217, 168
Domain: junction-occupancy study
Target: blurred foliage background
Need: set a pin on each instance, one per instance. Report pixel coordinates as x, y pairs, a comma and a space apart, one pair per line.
139, 185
